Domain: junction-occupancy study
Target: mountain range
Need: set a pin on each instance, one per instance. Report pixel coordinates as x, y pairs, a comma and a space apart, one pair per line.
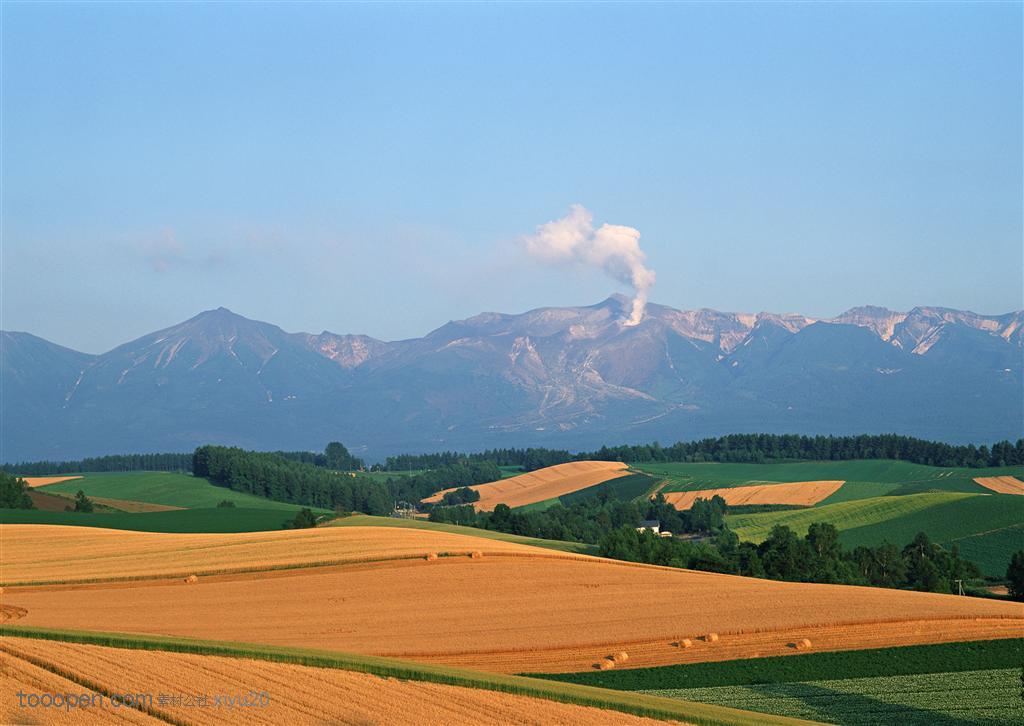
561, 377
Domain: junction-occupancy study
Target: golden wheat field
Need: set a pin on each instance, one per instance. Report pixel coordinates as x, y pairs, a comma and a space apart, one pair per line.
806, 493
36, 553
1002, 484
514, 610
285, 693
42, 481
543, 484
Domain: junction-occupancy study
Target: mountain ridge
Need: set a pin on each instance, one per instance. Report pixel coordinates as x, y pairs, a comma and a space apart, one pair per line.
560, 376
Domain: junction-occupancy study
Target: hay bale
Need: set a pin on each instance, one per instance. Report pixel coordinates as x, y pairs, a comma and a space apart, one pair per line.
191, 579
620, 657
711, 637
684, 643
476, 555
606, 665
803, 644
431, 556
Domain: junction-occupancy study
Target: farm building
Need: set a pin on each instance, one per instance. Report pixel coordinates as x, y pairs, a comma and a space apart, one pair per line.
650, 524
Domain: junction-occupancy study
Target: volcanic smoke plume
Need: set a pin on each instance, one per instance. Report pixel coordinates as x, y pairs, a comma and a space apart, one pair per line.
612, 247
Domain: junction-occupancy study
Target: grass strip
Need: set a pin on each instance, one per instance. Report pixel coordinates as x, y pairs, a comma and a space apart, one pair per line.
581, 695
904, 660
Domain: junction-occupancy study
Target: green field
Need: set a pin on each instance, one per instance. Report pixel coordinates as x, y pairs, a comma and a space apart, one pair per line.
847, 515
218, 519
939, 699
365, 520
864, 478
899, 661
158, 487
634, 703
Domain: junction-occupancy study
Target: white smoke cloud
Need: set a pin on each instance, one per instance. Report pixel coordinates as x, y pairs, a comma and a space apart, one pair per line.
612, 247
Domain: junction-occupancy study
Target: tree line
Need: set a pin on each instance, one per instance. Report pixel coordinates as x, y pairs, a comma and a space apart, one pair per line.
743, 448
113, 462
734, 448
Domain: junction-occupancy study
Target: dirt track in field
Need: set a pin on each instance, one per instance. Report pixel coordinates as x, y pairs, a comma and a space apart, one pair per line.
42, 481
543, 484
1002, 484
806, 493
511, 612
294, 694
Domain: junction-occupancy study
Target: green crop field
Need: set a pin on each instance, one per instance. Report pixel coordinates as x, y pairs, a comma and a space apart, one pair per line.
158, 487
846, 515
635, 703
365, 520
864, 478
933, 699
991, 551
220, 519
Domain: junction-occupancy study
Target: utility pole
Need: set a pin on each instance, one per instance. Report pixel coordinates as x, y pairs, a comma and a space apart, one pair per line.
959, 586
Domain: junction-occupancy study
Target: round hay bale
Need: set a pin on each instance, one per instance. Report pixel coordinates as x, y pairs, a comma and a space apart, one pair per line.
685, 643
431, 556
803, 644
606, 665
711, 637
621, 657
476, 555
191, 579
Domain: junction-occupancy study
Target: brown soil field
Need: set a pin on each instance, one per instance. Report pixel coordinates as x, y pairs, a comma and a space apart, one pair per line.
806, 493
49, 502
42, 481
36, 553
295, 694
541, 485
514, 613
1002, 484
129, 505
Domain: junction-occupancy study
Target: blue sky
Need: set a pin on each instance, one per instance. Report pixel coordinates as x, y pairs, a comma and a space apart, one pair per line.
372, 168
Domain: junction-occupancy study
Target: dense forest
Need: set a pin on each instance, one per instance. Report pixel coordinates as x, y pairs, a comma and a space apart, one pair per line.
275, 477
14, 493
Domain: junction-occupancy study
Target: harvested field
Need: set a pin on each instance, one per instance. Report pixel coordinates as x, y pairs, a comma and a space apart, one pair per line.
17, 674
42, 481
296, 694
511, 613
39, 553
543, 484
1002, 484
806, 493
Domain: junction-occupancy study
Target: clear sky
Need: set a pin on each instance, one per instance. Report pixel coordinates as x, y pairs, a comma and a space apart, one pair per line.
373, 168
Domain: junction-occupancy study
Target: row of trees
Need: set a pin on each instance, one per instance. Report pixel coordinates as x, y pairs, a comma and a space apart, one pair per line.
528, 459
757, 448
115, 462
742, 448
275, 477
